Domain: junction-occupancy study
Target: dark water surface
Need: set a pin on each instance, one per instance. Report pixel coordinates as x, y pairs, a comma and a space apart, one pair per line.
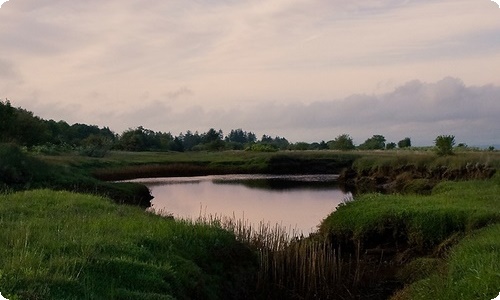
296, 202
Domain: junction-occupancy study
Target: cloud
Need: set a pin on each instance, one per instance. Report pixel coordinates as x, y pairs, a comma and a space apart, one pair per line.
416, 109
181, 92
243, 63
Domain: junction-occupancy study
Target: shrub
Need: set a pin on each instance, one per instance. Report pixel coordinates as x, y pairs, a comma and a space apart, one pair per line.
444, 144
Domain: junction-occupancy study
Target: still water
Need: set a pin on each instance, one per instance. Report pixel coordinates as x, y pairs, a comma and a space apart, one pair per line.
298, 203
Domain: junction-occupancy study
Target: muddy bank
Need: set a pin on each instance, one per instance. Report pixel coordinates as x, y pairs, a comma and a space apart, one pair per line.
409, 178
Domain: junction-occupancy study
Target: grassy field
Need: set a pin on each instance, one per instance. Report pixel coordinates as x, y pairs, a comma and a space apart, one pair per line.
61, 245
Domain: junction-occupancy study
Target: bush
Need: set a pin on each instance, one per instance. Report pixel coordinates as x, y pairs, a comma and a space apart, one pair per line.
17, 168
444, 144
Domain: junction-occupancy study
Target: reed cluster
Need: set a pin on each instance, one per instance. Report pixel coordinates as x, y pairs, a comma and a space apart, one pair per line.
291, 265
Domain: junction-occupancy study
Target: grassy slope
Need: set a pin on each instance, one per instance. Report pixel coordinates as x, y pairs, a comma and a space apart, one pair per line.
430, 222
471, 271
61, 245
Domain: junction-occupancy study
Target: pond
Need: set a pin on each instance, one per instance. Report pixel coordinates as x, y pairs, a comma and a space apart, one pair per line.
296, 202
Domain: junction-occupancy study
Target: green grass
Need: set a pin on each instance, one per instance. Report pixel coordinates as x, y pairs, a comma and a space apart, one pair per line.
472, 271
372, 160
423, 221
61, 245
119, 165
454, 234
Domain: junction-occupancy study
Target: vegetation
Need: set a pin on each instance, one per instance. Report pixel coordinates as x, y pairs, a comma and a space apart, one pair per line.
405, 143
61, 245
21, 171
444, 144
342, 142
414, 229
376, 142
50, 137
469, 272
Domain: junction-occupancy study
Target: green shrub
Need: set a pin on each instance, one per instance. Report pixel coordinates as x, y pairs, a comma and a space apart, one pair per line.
444, 144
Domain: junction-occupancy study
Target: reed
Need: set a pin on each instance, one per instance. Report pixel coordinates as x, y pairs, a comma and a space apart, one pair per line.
292, 265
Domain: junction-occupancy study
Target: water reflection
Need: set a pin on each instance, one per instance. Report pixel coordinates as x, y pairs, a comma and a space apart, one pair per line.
296, 202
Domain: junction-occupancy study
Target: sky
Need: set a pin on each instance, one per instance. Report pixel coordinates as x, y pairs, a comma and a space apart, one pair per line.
307, 70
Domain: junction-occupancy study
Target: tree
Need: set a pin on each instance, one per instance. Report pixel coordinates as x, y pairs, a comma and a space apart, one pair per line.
212, 140
212, 136
238, 138
6, 119
390, 146
376, 142
190, 140
342, 142
95, 146
279, 142
444, 144
404, 143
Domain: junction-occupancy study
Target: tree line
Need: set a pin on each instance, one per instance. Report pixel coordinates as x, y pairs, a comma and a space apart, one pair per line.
22, 127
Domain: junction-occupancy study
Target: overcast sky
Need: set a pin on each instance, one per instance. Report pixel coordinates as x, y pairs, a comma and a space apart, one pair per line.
308, 70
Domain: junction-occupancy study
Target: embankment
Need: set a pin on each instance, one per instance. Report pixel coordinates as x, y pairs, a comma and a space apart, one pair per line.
417, 243
417, 174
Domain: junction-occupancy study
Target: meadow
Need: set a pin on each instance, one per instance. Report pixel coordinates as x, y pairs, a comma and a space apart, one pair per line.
60, 244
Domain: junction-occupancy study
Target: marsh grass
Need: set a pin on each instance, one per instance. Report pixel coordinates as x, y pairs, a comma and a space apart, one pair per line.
291, 265
433, 228
61, 245
424, 159
471, 271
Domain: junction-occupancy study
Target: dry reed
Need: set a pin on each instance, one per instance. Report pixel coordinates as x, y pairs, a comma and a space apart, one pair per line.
310, 268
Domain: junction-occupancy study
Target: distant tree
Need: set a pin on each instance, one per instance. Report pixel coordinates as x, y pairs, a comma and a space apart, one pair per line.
95, 146
342, 142
376, 142
20, 126
211, 135
6, 120
404, 143
300, 146
444, 144
238, 138
279, 142
266, 139
212, 140
390, 146
133, 140
190, 140
176, 145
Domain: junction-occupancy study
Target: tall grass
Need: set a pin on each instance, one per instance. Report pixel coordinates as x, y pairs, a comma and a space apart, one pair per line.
61, 245
471, 271
430, 227
291, 265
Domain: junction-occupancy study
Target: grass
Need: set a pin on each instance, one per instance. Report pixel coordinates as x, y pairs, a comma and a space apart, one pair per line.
422, 221
290, 266
472, 271
119, 165
62, 245
20, 170
448, 242
373, 160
